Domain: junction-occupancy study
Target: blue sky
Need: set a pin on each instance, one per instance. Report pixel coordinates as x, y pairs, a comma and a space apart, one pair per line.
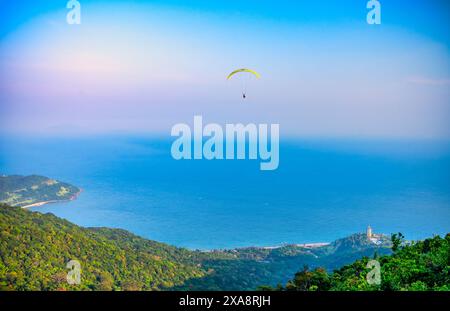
141, 66
429, 18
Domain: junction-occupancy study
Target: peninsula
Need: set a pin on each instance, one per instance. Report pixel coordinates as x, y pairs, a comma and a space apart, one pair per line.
34, 190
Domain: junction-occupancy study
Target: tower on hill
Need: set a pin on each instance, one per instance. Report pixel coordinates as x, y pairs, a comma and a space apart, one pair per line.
369, 232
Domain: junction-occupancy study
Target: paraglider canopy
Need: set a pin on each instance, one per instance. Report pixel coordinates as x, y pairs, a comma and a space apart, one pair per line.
244, 70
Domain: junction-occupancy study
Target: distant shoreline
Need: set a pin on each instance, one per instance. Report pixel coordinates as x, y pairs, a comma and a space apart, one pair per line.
304, 245
74, 197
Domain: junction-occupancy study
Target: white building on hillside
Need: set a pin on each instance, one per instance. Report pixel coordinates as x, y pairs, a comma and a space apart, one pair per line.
373, 237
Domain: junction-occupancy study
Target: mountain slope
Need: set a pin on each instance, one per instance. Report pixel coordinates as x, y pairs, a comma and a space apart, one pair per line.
255, 266
35, 248
421, 265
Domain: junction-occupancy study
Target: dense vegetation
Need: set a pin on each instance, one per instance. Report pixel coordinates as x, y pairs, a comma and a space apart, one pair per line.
255, 266
18, 190
35, 248
421, 265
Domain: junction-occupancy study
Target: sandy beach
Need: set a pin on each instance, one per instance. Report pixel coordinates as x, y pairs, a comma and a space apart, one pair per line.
53, 201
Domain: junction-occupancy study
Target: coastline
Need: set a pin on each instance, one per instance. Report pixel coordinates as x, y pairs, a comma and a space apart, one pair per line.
74, 197
304, 245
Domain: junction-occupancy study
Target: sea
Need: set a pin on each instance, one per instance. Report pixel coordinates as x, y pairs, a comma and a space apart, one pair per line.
323, 189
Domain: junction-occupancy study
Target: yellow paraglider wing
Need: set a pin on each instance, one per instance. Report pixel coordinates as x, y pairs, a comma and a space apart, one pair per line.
244, 70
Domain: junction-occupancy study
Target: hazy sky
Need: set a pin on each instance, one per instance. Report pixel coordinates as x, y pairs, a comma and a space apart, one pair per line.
142, 66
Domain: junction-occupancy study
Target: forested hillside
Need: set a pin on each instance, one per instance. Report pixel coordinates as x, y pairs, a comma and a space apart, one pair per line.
421, 265
35, 248
256, 266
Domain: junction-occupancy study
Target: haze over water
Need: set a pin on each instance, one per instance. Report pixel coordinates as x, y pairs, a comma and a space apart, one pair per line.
322, 190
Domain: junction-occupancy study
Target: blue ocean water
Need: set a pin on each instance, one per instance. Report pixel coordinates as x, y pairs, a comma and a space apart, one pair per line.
323, 189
